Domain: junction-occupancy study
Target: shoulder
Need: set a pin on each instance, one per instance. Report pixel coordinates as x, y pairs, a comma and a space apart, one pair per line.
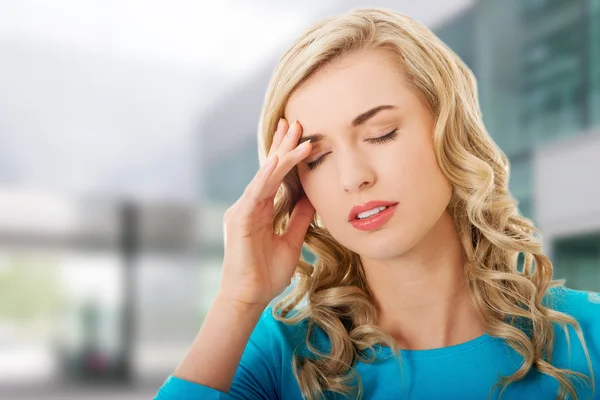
285, 337
582, 305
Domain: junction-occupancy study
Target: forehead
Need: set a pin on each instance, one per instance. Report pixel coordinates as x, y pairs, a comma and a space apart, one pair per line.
350, 85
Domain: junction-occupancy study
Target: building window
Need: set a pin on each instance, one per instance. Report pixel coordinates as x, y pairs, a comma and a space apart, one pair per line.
577, 259
540, 8
552, 84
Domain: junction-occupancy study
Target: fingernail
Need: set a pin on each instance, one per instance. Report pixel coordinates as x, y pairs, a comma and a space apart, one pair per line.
293, 125
304, 144
279, 124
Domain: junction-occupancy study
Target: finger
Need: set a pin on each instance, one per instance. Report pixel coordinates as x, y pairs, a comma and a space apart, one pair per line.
286, 164
290, 140
299, 223
255, 191
282, 128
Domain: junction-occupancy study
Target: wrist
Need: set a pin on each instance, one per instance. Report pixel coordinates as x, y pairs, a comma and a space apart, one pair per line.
240, 305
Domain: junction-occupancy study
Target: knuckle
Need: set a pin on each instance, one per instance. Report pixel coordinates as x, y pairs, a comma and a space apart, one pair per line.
230, 213
250, 194
247, 194
230, 210
230, 223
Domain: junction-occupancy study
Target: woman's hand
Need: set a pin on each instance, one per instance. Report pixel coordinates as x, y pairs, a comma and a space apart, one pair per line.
258, 264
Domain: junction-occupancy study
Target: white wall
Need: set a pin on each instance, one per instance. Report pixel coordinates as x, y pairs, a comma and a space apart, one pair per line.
567, 186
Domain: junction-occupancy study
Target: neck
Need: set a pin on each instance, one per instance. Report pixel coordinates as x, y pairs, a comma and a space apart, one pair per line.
421, 295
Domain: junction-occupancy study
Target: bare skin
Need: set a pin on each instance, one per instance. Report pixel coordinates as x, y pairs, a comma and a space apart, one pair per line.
258, 265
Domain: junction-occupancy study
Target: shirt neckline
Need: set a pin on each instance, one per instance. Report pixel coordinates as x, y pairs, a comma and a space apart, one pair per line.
440, 352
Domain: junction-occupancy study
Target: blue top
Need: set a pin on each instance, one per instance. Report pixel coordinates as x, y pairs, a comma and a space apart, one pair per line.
465, 371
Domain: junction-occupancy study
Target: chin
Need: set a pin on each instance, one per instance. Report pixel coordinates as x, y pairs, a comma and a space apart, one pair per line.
383, 252
383, 246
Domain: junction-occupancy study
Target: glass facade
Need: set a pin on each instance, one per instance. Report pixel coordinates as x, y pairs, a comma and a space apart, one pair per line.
560, 82
542, 8
459, 35
577, 259
521, 182
553, 86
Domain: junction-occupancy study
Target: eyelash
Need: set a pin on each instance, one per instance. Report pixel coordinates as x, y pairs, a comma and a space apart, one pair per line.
379, 140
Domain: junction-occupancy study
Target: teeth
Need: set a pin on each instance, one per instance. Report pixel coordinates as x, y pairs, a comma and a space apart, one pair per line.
369, 213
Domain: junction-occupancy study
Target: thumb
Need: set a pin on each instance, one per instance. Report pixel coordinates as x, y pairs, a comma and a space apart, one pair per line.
299, 222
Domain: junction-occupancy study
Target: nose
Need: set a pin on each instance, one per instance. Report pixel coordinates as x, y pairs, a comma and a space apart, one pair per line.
355, 172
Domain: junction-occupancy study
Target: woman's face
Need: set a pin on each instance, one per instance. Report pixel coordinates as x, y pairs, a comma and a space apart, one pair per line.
387, 155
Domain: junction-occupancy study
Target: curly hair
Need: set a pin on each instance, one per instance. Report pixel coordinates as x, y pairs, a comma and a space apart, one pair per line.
509, 299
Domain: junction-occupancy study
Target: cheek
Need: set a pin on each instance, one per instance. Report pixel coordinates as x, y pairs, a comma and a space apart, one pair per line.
423, 181
312, 188
320, 191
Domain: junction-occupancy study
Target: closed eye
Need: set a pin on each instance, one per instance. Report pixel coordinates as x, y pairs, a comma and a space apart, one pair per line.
382, 139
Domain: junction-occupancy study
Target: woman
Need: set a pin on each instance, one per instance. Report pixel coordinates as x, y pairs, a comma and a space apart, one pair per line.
388, 176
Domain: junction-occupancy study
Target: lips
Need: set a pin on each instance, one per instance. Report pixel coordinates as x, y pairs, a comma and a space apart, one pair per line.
368, 206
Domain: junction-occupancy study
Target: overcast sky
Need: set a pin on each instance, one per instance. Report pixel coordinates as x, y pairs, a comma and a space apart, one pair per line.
103, 98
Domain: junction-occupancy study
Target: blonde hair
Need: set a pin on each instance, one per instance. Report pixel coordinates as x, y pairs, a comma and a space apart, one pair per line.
491, 230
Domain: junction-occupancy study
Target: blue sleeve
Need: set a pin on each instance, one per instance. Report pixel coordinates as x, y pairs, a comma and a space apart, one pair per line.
586, 305
176, 388
255, 379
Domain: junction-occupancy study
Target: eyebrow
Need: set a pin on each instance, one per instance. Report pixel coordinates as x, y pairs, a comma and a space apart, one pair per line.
357, 121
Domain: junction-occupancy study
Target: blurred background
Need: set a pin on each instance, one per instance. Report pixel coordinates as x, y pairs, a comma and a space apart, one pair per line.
128, 127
